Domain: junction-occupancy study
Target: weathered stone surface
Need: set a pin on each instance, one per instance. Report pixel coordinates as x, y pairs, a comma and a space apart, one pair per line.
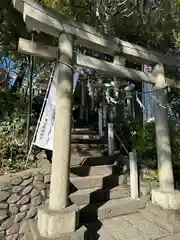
39, 178
36, 201
13, 237
5, 186
47, 178
13, 208
47, 192
27, 175
167, 200
2, 234
39, 185
24, 226
31, 213
7, 224
21, 237
14, 198
27, 190
25, 199
16, 181
34, 193
19, 217
24, 208
144, 190
154, 185
43, 193
4, 195
13, 229
27, 181
63, 221
174, 200
120, 229
41, 155
149, 229
3, 205
17, 189
3, 214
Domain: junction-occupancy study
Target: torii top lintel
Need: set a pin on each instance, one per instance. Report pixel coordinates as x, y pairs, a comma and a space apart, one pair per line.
42, 19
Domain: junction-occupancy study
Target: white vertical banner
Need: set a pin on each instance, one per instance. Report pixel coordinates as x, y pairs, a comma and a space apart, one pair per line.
45, 133
147, 100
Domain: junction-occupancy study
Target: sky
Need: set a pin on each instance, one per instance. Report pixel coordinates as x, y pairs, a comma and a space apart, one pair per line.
8, 63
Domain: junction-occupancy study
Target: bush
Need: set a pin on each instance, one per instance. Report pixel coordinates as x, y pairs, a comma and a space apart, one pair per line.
144, 140
13, 142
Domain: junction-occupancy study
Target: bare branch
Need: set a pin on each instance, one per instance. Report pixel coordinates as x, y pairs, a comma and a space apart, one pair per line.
122, 3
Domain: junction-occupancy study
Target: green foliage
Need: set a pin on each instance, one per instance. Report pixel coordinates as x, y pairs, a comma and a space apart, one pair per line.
12, 26
144, 140
175, 141
12, 133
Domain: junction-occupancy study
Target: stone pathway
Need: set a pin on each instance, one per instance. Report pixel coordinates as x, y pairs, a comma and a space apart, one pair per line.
129, 227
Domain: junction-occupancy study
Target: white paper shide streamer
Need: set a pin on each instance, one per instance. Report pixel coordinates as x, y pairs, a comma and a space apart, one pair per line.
147, 100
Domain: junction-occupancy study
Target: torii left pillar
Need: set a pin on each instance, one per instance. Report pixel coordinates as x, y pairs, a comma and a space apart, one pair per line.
58, 220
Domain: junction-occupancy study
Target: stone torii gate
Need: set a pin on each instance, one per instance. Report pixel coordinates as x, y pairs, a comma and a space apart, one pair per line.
58, 219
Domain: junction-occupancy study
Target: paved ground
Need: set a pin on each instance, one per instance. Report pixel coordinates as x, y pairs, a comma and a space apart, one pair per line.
129, 227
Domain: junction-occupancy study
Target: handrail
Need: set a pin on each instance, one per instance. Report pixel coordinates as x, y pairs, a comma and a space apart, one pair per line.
118, 138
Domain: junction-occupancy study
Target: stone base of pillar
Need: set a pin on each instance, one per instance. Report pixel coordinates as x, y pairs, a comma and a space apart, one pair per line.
58, 225
34, 234
166, 200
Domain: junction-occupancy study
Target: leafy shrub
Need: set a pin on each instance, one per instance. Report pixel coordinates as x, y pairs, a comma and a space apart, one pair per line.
144, 140
13, 116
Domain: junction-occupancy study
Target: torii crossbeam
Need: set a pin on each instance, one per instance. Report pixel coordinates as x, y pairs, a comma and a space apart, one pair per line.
49, 52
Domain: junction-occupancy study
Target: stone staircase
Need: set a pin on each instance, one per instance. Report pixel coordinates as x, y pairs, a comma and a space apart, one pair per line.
97, 186
102, 193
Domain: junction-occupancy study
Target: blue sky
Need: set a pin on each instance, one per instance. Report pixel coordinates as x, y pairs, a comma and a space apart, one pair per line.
8, 63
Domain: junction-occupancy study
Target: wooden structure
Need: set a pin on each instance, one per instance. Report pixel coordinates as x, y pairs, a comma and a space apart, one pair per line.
58, 217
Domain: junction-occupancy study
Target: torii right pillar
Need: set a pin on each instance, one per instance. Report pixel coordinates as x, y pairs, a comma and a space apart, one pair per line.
165, 196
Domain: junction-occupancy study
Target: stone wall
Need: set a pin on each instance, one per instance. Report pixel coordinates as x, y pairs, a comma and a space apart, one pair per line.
20, 196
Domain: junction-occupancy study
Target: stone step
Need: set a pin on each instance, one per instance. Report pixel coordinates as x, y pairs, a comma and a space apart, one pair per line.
110, 209
82, 171
84, 153
119, 228
94, 195
133, 227
149, 229
172, 227
88, 141
84, 131
85, 136
172, 237
103, 181
92, 161
95, 230
89, 146
169, 215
